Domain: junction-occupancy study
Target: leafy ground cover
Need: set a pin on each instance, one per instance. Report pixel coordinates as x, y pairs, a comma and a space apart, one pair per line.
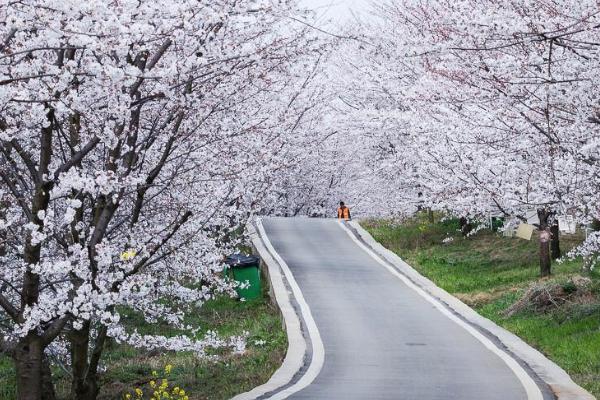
490, 273
128, 368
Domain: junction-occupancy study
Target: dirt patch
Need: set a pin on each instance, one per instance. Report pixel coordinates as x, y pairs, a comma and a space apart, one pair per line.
479, 299
548, 296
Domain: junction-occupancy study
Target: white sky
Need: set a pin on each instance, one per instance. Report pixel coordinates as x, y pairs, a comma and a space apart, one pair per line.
337, 10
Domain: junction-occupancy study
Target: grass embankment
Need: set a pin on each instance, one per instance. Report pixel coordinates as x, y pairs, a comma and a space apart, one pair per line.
128, 368
490, 273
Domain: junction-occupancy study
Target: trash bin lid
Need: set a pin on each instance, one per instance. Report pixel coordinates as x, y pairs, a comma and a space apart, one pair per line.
242, 261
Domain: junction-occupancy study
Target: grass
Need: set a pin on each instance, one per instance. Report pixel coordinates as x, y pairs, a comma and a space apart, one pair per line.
203, 379
490, 273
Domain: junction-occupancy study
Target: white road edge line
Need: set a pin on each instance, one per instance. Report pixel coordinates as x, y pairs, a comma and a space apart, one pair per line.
531, 388
318, 351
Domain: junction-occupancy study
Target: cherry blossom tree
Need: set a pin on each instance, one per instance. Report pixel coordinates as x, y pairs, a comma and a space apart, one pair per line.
486, 107
134, 136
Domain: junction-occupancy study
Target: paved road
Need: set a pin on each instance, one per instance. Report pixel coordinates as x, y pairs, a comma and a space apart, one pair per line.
382, 339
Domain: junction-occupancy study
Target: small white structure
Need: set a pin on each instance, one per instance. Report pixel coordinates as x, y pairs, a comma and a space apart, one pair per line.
510, 228
532, 217
567, 224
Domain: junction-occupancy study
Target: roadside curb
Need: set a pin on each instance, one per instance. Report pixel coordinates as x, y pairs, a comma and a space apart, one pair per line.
555, 377
297, 346
305, 354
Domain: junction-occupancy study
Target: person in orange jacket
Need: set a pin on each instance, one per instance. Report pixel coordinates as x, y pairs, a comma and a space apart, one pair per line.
343, 212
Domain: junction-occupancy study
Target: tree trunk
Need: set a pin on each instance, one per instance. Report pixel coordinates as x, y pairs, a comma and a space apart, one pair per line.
545, 235
86, 389
431, 216
545, 263
465, 226
48, 392
555, 242
588, 262
84, 385
29, 353
85, 360
28, 357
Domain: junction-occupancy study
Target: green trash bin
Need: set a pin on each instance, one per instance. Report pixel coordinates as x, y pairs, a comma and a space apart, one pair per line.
497, 223
245, 269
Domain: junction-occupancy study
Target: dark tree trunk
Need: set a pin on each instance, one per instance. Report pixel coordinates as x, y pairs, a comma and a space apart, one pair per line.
431, 215
48, 392
84, 385
28, 357
79, 359
545, 238
555, 242
465, 226
545, 263
86, 389
85, 362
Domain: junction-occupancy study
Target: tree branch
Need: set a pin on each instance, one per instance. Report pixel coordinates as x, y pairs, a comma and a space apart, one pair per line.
26, 157
160, 52
77, 157
55, 329
19, 197
156, 248
8, 38
9, 307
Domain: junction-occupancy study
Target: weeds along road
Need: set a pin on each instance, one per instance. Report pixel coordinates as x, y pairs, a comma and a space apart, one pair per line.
382, 339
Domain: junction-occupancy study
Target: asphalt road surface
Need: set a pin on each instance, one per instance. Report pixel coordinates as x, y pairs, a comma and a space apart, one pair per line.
382, 339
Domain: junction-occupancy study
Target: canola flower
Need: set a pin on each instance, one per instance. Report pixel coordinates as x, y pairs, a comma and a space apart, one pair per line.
162, 391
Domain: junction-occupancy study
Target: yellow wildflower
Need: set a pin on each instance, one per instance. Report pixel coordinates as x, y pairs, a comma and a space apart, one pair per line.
152, 383
168, 368
128, 255
138, 392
